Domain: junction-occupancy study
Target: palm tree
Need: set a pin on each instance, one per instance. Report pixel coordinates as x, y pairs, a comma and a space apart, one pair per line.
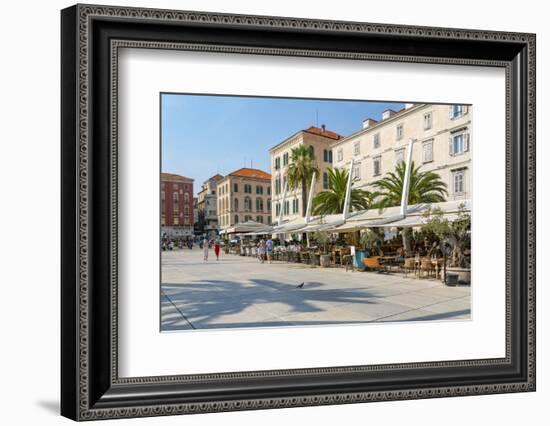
424, 187
332, 201
300, 171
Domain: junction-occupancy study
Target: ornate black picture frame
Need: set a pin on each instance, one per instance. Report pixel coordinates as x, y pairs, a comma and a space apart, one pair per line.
91, 37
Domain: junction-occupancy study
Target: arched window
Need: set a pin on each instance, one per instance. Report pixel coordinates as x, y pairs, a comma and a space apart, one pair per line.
259, 205
247, 204
236, 218
236, 205
268, 205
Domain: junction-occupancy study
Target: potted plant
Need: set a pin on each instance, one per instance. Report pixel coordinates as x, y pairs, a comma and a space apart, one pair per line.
456, 235
372, 237
322, 238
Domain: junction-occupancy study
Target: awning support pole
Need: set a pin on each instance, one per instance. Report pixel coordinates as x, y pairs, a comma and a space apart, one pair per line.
406, 180
310, 198
345, 212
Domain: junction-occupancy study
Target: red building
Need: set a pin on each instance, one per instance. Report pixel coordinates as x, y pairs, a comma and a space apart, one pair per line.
176, 204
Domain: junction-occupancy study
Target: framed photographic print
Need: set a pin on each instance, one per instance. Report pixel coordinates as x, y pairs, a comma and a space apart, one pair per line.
263, 212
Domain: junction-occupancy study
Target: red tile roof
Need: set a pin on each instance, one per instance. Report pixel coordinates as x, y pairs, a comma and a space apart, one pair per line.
171, 177
326, 133
251, 173
217, 177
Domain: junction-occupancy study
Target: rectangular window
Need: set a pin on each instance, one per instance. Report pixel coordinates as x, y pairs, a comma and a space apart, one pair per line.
330, 156
458, 144
285, 159
376, 140
456, 111
235, 187
357, 148
458, 182
269, 190
277, 163
399, 156
340, 154
427, 152
399, 132
376, 166
356, 172
427, 121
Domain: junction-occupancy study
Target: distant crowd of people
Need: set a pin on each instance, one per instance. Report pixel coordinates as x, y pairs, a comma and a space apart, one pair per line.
171, 243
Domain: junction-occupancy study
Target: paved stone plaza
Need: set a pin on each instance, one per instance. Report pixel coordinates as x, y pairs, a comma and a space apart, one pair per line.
241, 292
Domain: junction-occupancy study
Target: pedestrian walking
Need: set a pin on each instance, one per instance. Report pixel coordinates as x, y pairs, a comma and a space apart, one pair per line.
269, 249
205, 248
217, 249
261, 251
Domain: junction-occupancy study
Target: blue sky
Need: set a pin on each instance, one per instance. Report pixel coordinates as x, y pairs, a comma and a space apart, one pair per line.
203, 135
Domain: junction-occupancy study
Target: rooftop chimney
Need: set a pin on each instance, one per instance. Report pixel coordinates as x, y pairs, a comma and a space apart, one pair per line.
387, 114
368, 122
407, 106
323, 127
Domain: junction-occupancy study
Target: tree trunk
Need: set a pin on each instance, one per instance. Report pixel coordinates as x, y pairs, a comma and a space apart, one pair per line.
406, 241
304, 197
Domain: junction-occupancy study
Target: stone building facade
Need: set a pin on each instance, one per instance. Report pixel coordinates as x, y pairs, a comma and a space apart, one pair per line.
207, 204
244, 195
320, 140
442, 143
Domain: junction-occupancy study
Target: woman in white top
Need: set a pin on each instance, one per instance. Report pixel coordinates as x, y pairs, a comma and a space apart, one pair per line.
205, 248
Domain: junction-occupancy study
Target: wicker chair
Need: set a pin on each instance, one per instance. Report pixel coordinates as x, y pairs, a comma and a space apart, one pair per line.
427, 267
409, 266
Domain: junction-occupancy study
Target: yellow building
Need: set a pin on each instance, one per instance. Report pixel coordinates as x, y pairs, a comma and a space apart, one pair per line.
320, 141
244, 195
442, 143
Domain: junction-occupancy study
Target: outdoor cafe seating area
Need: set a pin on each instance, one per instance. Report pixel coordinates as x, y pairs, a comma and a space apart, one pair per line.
387, 257
365, 241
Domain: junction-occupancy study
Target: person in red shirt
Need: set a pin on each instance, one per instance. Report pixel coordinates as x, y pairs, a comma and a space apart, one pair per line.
217, 249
